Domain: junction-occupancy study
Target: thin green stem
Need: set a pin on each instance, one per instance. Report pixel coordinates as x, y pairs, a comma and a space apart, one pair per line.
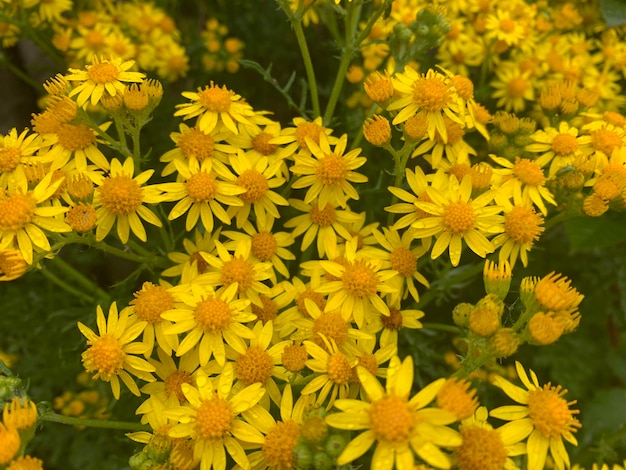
20, 73
296, 21
93, 423
70, 272
66, 286
136, 138
441, 327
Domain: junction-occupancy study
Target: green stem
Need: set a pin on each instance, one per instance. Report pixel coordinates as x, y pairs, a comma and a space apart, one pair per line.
296, 21
400, 158
20, 73
441, 327
469, 365
93, 423
66, 286
69, 271
136, 148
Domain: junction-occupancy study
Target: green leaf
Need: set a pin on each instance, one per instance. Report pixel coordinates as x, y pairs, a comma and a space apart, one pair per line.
605, 413
614, 12
588, 233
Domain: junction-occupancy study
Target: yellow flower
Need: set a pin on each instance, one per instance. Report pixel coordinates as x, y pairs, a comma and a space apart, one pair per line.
543, 416
191, 263
26, 462
22, 216
512, 88
329, 174
213, 104
15, 151
304, 129
209, 320
12, 264
401, 427
102, 75
119, 198
212, 419
77, 143
11, 443
110, 353
20, 413
454, 216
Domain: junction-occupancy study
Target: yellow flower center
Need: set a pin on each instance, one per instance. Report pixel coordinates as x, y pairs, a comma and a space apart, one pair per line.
404, 261
45, 123
120, 195
549, 411
457, 397
173, 384
339, 370
377, 130
75, 137
10, 444
215, 99
332, 325
564, 144
517, 87
528, 172
323, 217
454, 131
393, 321
594, 205
331, 170
255, 365
196, 144
316, 297
545, 328
214, 418
359, 279
266, 313
105, 355
507, 25
416, 126
464, 86
459, 170
391, 419
614, 118
16, 211
202, 187
104, 72
95, 41
279, 444
238, 270
378, 87
311, 130
261, 144
135, 98
81, 217
368, 361
605, 141
431, 94
523, 224
9, 158
264, 245
554, 293
255, 184
212, 314
459, 218
294, 357
151, 301
482, 449
79, 187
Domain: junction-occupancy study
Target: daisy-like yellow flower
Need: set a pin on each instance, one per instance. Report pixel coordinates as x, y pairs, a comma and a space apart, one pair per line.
512, 88
486, 448
501, 27
400, 426
213, 104
23, 216
303, 129
191, 264
209, 319
201, 194
455, 216
119, 199
12, 264
359, 283
390, 325
111, 354
523, 179
432, 93
328, 172
258, 178
257, 139
212, 419
238, 269
543, 416
102, 75
15, 151
266, 245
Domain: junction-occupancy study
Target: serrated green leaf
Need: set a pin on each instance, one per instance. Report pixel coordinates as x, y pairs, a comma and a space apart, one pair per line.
614, 12
587, 233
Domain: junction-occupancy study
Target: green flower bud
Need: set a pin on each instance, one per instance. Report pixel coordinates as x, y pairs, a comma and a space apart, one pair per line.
335, 444
302, 456
321, 461
159, 447
461, 313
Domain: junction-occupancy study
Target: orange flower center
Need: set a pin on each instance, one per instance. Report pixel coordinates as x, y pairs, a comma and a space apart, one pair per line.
294, 357
457, 397
528, 172
212, 314
431, 94
523, 224
517, 87
459, 218
323, 217
81, 217
507, 25
238, 270
151, 301
605, 141
339, 370
391, 419
279, 444
482, 449
174, 382
75, 137
393, 321
266, 313
95, 42
214, 418
16, 211
264, 245
261, 144
331, 325
404, 261
255, 365
311, 130
215, 99
196, 144
416, 126
9, 158
549, 412
464, 86
564, 144
255, 184
201, 265
202, 187
105, 355
359, 279
120, 195
102, 72
316, 297
331, 170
